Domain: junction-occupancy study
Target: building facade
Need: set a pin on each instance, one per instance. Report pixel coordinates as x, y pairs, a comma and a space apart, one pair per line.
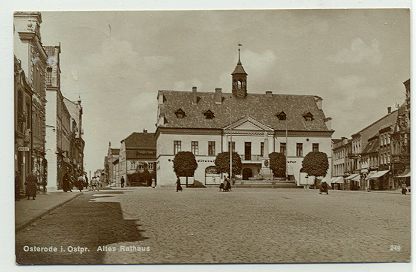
111, 167
29, 51
252, 124
58, 132
77, 144
22, 127
137, 151
400, 144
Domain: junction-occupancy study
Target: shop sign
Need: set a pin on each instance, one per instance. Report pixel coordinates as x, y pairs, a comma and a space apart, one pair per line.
23, 148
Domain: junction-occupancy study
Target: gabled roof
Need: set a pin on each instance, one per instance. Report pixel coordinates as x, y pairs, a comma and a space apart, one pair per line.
372, 145
260, 107
140, 140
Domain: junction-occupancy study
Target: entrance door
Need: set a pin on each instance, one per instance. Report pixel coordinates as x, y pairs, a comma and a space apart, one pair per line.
247, 151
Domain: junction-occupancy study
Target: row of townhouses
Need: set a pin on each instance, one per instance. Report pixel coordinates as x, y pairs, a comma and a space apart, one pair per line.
377, 156
48, 126
253, 124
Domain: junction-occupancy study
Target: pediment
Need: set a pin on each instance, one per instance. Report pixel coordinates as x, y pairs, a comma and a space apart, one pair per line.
248, 123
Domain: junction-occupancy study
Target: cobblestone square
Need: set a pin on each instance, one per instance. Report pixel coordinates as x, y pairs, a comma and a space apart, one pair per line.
267, 226
146, 225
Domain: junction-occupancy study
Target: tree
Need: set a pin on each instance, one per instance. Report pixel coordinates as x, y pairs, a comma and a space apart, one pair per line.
222, 162
278, 164
184, 165
315, 164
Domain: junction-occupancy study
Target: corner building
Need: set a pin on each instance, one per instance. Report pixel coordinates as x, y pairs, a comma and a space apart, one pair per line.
206, 123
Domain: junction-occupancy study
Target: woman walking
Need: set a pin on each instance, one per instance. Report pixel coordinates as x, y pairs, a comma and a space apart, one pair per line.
31, 186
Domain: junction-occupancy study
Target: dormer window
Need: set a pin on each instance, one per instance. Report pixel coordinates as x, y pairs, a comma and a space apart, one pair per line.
209, 114
308, 116
281, 115
180, 113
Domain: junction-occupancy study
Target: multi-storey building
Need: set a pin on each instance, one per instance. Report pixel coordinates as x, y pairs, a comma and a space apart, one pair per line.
58, 134
29, 51
252, 124
22, 126
400, 143
111, 167
137, 151
77, 143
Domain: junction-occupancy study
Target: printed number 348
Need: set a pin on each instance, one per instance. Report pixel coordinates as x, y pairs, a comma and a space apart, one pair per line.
395, 247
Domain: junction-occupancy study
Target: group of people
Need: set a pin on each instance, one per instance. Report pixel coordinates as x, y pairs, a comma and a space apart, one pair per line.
226, 185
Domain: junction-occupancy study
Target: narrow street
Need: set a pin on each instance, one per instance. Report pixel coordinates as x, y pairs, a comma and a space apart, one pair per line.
145, 225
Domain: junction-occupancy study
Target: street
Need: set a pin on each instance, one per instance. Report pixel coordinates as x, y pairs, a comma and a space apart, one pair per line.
146, 225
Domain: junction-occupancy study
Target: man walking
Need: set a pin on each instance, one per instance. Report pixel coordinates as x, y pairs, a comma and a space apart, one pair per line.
122, 181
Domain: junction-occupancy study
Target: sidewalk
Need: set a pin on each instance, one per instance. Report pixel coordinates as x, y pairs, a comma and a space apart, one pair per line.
27, 211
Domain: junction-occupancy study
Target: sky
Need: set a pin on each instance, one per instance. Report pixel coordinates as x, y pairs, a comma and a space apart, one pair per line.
356, 60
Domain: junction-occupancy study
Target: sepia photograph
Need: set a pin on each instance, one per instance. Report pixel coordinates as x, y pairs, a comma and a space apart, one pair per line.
261, 136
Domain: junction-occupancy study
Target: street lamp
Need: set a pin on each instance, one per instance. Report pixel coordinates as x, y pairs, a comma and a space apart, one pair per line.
231, 149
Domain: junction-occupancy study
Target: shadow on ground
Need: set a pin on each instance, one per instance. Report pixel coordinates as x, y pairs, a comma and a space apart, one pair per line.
79, 223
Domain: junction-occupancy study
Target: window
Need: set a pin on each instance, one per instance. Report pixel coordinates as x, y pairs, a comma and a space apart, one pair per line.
281, 115
283, 148
262, 149
308, 116
49, 75
180, 113
176, 147
211, 148
315, 147
299, 149
209, 114
233, 146
194, 147
151, 166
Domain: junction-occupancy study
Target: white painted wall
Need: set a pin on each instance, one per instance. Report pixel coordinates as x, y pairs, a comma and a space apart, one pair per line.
164, 147
51, 140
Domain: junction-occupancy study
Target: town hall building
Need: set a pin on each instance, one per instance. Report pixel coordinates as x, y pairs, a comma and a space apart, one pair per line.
206, 123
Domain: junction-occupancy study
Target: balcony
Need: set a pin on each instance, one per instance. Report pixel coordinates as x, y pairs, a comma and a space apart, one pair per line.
254, 158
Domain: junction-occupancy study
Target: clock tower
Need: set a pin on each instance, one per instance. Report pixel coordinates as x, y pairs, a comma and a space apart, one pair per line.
239, 77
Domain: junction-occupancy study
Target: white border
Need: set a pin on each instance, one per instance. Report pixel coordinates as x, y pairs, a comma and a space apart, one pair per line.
6, 112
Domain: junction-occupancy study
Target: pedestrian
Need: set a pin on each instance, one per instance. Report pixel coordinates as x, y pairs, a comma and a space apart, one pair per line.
86, 180
16, 186
122, 181
178, 185
80, 183
323, 188
94, 183
404, 189
31, 186
65, 182
227, 187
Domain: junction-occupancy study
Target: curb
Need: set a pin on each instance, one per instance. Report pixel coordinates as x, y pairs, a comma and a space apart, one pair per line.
30, 221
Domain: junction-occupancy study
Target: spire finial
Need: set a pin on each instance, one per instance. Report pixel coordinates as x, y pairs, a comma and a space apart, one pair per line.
239, 61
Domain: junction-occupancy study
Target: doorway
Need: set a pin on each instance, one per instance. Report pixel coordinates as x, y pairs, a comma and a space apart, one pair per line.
247, 173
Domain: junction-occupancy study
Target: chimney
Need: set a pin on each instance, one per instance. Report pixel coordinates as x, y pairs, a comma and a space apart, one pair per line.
194, 96
388, 110
318, 101
328, 122
218, 96
269, 93
144, 130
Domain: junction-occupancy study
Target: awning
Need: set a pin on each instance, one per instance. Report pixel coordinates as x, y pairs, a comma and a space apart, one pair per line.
352, 176
371, 174
337, 180
326, 179
379, 174
356, 178
406, 173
